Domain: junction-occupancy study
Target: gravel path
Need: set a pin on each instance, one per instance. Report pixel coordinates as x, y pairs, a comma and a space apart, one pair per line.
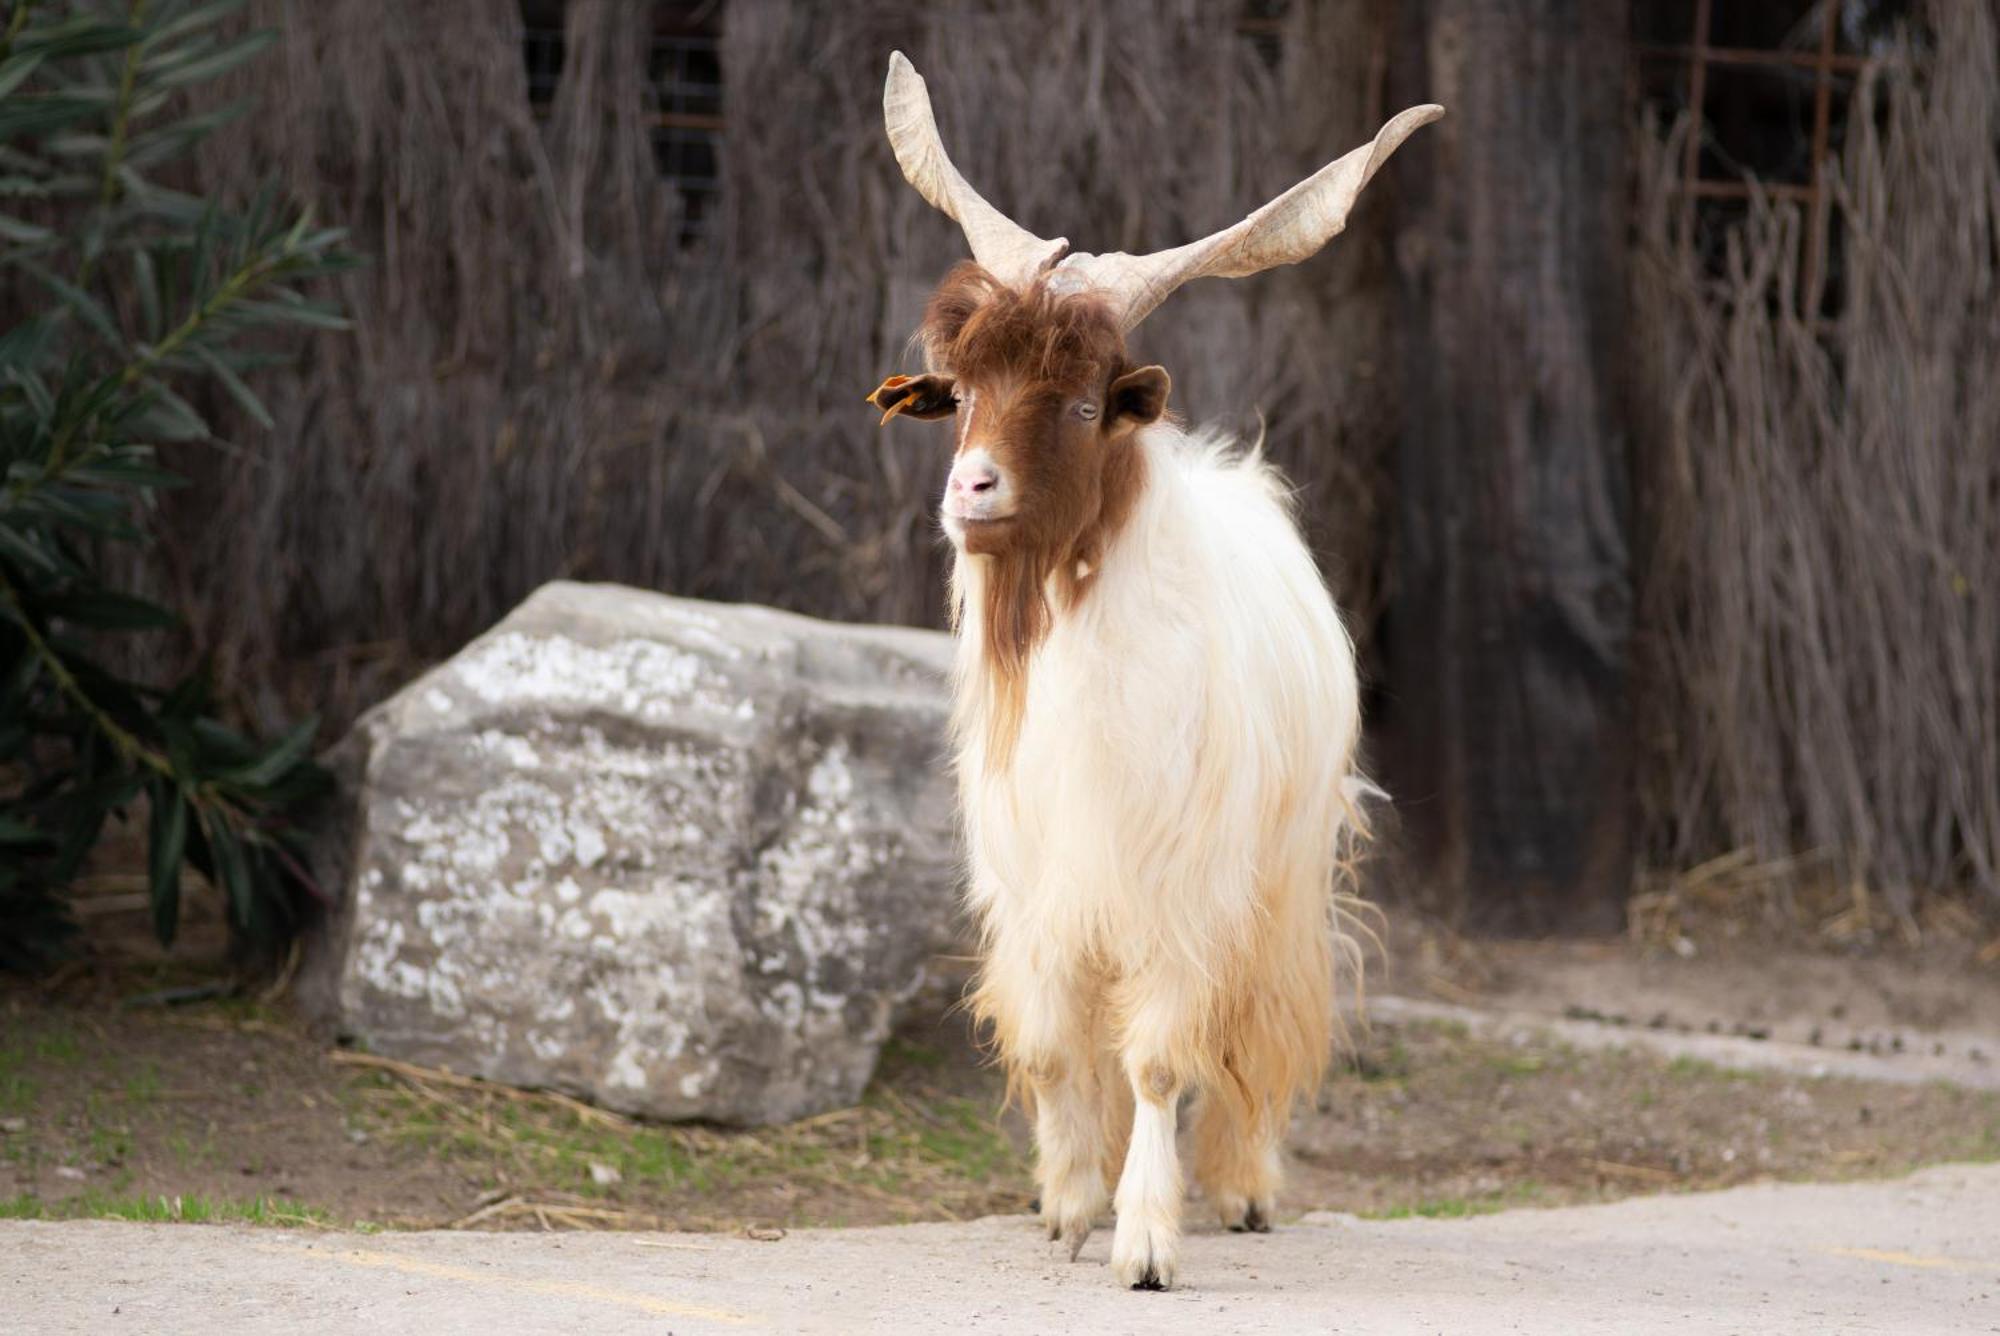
1917, 1255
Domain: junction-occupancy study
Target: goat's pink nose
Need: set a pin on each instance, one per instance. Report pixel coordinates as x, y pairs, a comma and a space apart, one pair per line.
975, 480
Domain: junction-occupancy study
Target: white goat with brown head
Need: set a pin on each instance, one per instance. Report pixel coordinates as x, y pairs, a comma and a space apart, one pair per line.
1156, 713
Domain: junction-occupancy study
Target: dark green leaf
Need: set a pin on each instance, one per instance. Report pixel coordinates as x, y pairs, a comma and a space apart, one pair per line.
245, 398
165, 846
172, 73
192, 21
82, 144
27, 344
81, 36
87, 308
170, 141
44, 114
16, 68
232, 869
298, 311
105, 611
124, 474
16, 832
222, 745
19, 230
291, 749
167, 417
146, 284
25, 551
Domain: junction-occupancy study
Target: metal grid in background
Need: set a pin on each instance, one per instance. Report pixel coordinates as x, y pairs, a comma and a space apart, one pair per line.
1828, 68
684, 65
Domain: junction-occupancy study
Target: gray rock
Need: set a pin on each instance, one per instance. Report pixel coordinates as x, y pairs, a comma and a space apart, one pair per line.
680, 858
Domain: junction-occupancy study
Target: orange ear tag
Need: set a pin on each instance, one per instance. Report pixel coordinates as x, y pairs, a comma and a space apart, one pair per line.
898, 407
893, 383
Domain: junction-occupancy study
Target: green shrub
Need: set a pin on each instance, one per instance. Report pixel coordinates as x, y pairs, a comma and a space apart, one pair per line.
132, 297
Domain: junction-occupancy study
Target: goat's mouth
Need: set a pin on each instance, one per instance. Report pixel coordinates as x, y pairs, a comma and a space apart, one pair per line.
978, 518
978, 534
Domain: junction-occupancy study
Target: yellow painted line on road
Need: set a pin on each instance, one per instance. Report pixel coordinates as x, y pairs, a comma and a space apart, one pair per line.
559, 1289
1894, 1258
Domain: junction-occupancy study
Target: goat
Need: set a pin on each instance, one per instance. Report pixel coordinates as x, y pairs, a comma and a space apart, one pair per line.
1155, 714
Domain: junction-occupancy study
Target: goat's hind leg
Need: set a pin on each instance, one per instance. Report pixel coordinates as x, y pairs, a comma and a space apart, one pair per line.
1236, 1157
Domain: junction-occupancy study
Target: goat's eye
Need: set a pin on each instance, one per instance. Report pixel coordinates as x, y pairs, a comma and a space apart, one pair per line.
1086, 410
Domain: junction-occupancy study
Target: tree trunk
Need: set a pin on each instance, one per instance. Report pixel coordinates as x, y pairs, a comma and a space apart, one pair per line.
1510, 749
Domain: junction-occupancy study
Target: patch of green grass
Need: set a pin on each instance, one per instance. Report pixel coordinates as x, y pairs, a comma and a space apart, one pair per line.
54, 1046
906, 1144
278, 1211
142, 1087
110, 1145
1688, 1068
1387, 1066
17, 1089
1442, 1208
965, 1138
901, 1052
1523, 1193
1520, 1064
559, 1144
187, 1155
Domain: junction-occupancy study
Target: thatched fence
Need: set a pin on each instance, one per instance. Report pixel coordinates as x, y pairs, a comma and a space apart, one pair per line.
544, 380
1820, 619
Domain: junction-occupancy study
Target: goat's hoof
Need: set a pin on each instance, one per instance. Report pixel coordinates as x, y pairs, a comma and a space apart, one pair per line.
1035, 1206
1142, 1258
1075, 1229
1254, 1221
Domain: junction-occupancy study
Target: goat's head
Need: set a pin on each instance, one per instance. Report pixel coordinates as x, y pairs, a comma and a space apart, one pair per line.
1044, 403
1027, 344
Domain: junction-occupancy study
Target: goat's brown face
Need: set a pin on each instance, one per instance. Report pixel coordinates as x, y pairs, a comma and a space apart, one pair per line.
1044, 405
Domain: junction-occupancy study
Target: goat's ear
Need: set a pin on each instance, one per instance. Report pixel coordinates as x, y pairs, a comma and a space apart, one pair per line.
923, 397
1137, 399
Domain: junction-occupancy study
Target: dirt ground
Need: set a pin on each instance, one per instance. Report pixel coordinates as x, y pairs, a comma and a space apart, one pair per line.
123, 1092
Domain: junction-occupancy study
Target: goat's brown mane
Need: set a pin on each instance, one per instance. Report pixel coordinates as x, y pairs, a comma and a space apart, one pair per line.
981, 330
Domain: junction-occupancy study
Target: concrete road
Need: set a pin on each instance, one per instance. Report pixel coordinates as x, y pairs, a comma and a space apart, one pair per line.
1918, 1255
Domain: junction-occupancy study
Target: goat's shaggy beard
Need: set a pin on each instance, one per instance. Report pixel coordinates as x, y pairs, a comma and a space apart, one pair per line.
1013, 589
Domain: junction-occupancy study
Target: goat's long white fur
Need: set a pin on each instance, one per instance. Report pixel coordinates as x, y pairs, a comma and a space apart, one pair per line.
1154, 868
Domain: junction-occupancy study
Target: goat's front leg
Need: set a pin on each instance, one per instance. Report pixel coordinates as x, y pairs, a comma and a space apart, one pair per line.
1161, 1019
1070, 1148
1146, 1247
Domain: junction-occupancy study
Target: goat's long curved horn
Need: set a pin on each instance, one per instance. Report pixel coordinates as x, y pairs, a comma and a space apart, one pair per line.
1007, 250
1290, 228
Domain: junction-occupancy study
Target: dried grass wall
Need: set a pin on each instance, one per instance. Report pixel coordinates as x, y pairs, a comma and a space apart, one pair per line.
544, 382
1821, 648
